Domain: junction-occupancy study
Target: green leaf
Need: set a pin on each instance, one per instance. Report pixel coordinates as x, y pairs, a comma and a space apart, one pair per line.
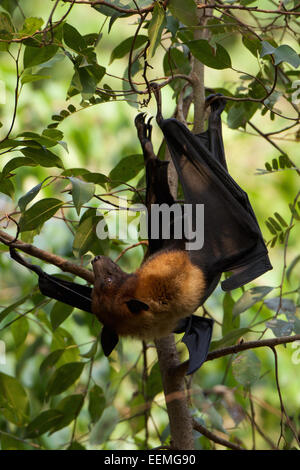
126, 169
250, 298
275, 164
124, 47
105, 426
285, 53
6, 26
215, 418
9, 442
53, 134
19, 330
292, 266
215, 58
11, 143
97, 403
64, 377
247, 2
246, 368
280, 327
42, 423
70, 408
74, 171
14, 403
6, 30
110, 12
96, 178
175, 61
154, 382
28, 197
39, 213
28, 78
91, 352
85, 81
240, 113
229, 339
275, 224
76, 446
268, 166
6, 311
8, 5
286, 305
155, 28
31, 25
73, 38
42, 157
252, 44
270, 227
228, 320
266, 49
85, 236
294, 211
186, 11
71, 108
6, 187
280, 219
62, 339
38, 55
59, 313
51, 360
82, 192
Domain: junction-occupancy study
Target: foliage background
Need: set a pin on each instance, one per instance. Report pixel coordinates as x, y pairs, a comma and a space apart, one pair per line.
97, 139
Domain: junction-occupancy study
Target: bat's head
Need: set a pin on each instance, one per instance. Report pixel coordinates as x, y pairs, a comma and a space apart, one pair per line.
113, 293
109, 277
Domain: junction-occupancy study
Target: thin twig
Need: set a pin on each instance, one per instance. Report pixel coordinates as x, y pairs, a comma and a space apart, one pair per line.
16, 95
213, 437
143, 242
283, 410
43, 255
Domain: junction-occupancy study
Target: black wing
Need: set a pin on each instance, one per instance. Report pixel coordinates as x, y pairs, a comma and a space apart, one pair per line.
232, 237
70, 293
197, 337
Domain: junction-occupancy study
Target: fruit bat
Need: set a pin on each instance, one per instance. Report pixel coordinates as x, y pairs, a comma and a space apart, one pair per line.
176, 278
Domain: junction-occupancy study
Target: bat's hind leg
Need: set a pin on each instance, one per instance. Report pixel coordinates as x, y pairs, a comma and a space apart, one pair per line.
144, 132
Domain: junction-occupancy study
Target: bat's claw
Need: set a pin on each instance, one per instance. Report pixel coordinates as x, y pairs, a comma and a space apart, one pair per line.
97, 258
144, 129
149, 128
216, 101
140, 120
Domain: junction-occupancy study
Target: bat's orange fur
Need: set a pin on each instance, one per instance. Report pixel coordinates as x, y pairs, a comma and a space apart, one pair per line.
168, 283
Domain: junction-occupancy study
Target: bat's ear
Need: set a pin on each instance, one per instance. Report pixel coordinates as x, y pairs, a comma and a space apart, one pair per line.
109, 340
136, 306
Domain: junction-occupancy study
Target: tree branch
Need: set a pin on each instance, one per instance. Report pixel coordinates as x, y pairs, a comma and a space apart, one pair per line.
43, 255
213, 437
251, 345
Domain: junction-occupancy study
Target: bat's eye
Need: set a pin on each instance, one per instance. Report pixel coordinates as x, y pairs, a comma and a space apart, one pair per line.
108, 281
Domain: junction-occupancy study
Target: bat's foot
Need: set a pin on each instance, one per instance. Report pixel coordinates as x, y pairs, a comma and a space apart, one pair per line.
144, 129
216, 102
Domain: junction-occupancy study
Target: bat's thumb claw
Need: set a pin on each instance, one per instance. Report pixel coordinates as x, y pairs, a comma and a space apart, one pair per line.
216, 101
140, 119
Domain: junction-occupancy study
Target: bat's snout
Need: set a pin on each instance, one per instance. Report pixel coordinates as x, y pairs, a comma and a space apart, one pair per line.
98, 258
